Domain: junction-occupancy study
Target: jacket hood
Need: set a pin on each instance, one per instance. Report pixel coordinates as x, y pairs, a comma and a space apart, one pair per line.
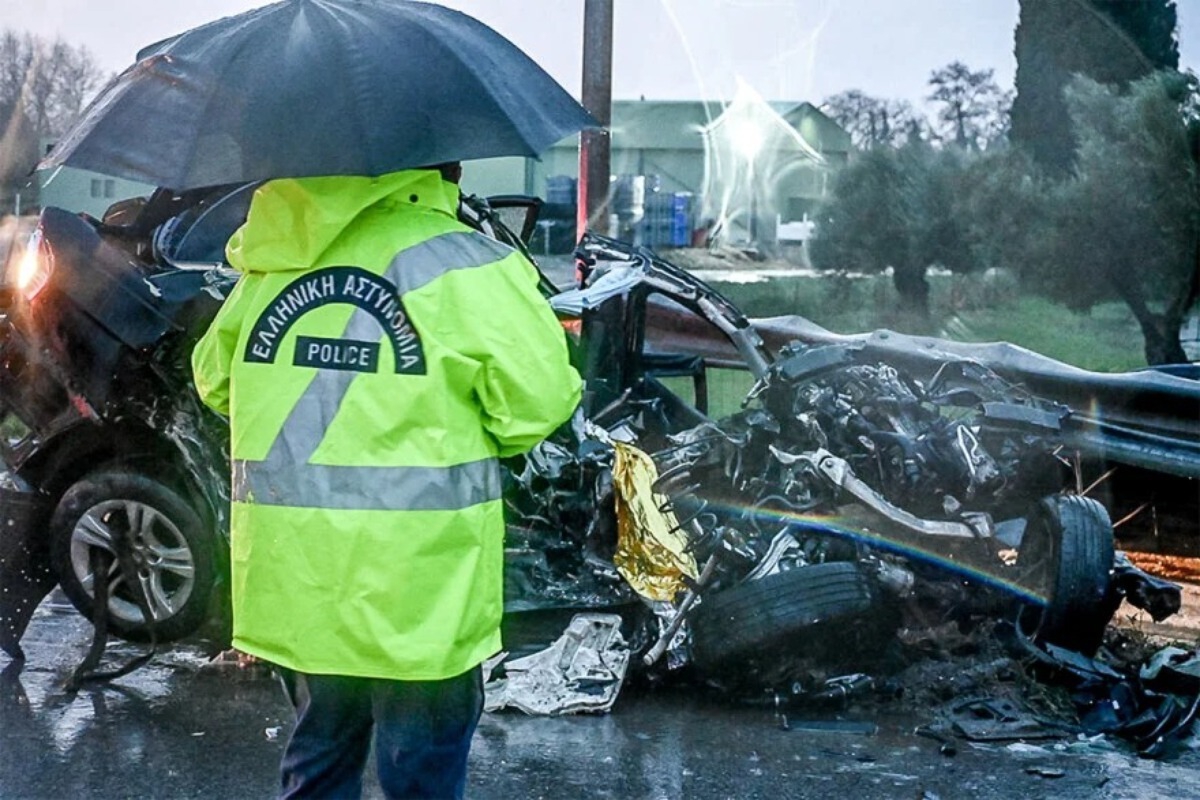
292, 221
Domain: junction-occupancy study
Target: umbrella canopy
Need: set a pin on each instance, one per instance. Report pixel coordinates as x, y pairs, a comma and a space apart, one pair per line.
319, 87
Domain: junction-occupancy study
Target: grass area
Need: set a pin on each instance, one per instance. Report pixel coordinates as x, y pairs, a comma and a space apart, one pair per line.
970, 309
727, 388
964, 308
12, 430
1106, 340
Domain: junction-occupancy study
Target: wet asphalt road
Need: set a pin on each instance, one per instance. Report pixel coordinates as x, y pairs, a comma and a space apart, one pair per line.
180, 729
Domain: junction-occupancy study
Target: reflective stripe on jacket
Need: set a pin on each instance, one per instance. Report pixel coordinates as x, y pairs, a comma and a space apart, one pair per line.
374, 360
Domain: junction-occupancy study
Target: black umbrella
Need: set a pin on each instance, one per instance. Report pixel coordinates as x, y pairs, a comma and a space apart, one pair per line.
320, 87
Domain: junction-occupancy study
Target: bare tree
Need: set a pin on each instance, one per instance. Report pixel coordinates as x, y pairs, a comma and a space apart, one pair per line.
15, 58
43, 87
872, 121
77, 77
48, 82
973, 111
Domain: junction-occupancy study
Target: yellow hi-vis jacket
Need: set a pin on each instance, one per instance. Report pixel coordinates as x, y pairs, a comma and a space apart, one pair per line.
375, 359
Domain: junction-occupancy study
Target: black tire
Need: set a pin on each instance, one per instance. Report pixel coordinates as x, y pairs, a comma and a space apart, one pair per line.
1067, 552
767, 614
162, 524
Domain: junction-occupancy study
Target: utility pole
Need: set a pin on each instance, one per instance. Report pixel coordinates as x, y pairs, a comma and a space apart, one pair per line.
594, 145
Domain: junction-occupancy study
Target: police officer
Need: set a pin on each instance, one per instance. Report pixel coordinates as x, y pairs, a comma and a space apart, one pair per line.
375, 360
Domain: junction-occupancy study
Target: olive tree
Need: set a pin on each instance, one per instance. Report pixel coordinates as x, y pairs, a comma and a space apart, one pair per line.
1127, 223
897, 208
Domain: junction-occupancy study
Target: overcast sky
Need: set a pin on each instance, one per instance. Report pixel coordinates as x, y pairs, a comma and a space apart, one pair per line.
664, 49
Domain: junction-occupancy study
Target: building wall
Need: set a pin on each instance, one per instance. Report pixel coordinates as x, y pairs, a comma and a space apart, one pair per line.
492, 176
795, 186
488, 177
78, 190
562, 159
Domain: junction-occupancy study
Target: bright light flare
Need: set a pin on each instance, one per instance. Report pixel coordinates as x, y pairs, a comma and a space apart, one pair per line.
747, 138
33, 270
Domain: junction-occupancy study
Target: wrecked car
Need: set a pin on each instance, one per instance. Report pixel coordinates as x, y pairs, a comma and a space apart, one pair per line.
790, 529
851, 475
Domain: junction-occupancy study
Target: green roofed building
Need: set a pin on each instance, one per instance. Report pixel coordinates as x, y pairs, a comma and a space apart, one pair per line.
81, 190
746, 158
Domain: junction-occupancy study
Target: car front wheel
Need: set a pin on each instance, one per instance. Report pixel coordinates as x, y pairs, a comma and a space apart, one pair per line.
1067, 554
800, 611
172, 552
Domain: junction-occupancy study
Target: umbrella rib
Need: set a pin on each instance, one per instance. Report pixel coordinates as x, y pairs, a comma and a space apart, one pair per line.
359, 92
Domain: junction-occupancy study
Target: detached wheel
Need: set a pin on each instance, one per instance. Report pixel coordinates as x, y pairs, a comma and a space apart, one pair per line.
1067, 552
779, 612
172, 549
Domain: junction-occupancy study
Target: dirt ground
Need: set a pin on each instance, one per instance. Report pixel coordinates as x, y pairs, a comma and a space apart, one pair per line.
1182, 628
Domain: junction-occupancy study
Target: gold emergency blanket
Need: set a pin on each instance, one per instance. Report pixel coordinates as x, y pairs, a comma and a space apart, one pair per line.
650, 553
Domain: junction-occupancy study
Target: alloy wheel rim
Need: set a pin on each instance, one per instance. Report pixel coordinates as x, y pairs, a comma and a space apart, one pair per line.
165, 564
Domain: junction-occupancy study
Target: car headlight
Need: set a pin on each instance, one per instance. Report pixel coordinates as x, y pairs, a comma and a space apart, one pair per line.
33, 268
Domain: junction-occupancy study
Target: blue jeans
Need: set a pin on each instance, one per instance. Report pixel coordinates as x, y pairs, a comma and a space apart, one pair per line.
422, 735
